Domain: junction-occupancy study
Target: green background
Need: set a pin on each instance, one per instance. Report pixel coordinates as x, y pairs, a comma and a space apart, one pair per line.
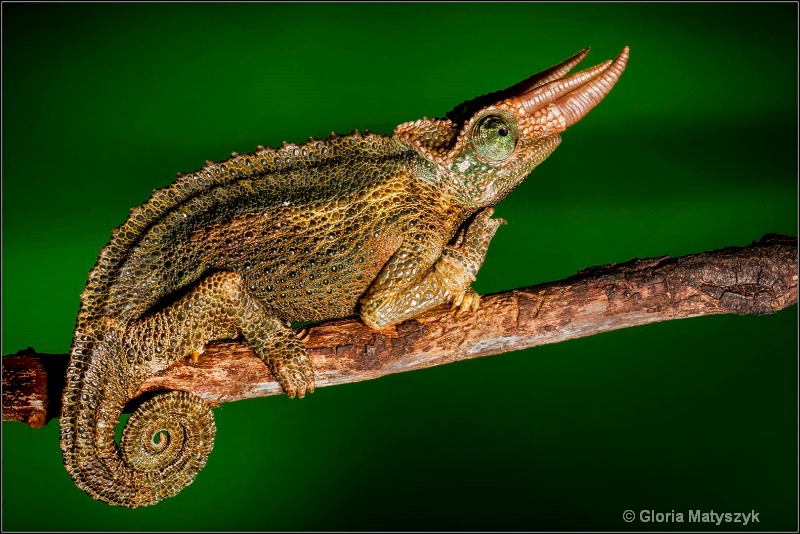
695, 149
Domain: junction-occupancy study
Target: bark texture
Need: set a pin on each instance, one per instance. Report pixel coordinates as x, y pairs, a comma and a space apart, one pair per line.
754, 280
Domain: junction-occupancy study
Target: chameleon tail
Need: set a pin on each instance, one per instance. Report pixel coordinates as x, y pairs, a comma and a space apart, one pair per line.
165, 442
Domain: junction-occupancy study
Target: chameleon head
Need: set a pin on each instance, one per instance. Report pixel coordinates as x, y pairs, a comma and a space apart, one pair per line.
488, 145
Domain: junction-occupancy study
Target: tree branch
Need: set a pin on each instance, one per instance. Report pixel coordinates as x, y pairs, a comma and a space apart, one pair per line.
757, 279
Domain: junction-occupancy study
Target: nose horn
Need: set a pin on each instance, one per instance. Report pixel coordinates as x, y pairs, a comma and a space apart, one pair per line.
574, 96
547, 86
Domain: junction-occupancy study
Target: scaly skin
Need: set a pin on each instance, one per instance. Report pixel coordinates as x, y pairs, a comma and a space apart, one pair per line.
386, 227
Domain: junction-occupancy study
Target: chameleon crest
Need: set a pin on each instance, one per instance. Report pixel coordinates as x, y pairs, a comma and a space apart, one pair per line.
384, 227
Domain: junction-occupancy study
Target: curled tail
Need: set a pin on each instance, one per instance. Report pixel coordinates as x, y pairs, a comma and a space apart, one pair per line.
165, 442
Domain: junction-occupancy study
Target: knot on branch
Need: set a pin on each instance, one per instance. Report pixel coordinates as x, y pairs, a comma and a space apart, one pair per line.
751, 280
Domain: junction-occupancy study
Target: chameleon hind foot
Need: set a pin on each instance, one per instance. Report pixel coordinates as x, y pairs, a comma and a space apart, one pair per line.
221, 307
289, 362
272, 339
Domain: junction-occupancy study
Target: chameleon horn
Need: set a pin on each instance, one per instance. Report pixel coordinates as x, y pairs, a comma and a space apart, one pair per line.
556, 72
574, 96
553, 73
576, 104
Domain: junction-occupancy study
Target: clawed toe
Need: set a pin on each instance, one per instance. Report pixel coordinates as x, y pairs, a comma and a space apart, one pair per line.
467, 301
296, 382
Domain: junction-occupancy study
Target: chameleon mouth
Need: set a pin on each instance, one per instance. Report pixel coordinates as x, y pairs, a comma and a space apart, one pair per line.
573, 96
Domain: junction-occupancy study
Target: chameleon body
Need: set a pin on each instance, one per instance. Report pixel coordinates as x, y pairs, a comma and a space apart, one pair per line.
383, 226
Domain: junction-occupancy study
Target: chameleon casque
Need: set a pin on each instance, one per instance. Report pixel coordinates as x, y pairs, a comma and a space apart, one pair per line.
385, 227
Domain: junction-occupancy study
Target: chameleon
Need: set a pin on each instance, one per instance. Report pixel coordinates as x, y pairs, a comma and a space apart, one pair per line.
385, 227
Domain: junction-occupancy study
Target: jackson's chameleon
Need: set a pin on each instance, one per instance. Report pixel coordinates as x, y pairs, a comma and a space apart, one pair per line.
386, 227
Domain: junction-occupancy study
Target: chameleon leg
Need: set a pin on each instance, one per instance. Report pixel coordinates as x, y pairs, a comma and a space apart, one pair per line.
395, 296
166, 441
221, 307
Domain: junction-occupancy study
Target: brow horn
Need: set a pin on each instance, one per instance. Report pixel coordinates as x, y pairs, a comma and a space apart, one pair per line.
574, 96
548, 75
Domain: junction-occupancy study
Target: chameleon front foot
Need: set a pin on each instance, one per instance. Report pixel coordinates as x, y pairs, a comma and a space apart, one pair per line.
461, 261
395, 297
469, 300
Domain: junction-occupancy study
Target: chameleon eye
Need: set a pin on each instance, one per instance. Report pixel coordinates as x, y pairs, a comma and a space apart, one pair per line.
494, 139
